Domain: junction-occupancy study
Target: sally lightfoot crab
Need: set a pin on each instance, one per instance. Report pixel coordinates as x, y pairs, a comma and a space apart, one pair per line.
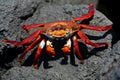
58, 30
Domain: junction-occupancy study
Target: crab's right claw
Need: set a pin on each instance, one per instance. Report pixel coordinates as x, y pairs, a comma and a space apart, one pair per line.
49, 48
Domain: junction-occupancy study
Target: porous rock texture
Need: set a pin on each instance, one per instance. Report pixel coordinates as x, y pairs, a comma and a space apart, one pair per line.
100, 63
110, 68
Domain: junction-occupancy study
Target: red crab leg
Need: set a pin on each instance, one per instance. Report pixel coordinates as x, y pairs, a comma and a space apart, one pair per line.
99, 28
87, 41
26, 40
76, 47
37, 55
86, 16
26, 27
49, 48
28, 48
67, 46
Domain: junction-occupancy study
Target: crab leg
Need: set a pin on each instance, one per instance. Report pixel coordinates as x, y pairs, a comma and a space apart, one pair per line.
76, 47
99, 28
49, 48
86, 16
87, 41
26, 40
28, 48
26, 27
37, 55
67, 46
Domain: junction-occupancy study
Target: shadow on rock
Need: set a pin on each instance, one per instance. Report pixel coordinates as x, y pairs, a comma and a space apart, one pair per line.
99, 37
86, 54
8, 55
109, 8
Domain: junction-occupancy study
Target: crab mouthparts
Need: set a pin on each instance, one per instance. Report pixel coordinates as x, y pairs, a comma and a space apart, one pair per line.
59, 33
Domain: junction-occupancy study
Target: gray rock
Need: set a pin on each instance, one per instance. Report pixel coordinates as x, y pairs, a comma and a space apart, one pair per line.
110, 68
61, 68
78, 2
12, 13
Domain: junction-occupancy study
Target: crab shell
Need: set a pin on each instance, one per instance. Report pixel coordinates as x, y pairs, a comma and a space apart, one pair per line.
60, 29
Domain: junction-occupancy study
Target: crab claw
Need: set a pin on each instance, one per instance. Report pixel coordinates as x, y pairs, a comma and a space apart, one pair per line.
49, 48
66, 50
67, 46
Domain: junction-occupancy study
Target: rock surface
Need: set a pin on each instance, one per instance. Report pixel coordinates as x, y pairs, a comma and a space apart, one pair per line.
110, 68
14, 14
78, 2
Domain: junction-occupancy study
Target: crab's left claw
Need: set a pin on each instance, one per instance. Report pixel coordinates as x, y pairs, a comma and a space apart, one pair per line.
66, 49
67, 46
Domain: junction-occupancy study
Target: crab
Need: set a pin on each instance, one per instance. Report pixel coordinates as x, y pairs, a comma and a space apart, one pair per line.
69, 29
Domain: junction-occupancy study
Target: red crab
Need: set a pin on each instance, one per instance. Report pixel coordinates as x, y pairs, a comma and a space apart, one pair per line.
59, 29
